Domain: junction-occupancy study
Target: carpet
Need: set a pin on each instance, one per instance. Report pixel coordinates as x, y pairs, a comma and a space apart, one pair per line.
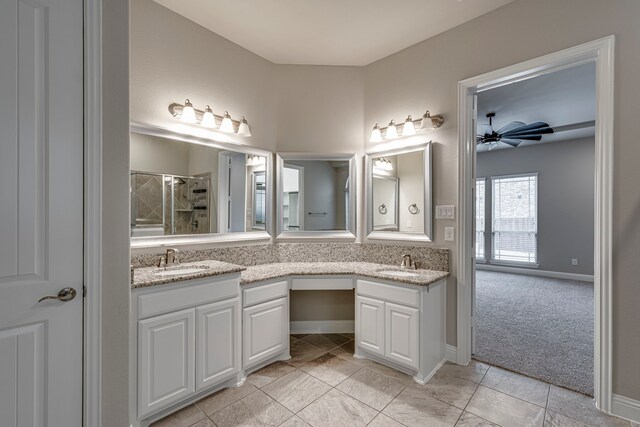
537, 326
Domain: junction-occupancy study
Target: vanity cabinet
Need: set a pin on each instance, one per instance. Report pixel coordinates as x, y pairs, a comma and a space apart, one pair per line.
401, 326
265, 322
187, 343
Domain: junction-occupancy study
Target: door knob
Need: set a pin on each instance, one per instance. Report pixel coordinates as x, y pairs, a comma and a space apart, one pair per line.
65, 294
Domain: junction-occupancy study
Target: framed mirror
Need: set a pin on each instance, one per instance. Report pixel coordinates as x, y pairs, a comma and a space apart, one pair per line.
187, 189
399, 194
316, 196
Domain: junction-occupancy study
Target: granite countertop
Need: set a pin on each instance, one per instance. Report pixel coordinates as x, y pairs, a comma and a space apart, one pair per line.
145, 277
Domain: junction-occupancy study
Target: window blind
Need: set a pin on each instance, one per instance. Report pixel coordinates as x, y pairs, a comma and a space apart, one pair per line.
480, 217
515, 218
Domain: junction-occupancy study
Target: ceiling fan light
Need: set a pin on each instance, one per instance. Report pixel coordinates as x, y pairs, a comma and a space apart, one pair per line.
227, 124
188, 113
208, 119
392, 132
376, 135
408, 128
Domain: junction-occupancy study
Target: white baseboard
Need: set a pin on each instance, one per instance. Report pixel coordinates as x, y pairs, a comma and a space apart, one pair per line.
322, 327
451, 353
626, 407
535, 272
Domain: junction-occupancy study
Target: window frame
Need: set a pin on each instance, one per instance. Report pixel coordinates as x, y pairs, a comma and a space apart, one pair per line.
483, 259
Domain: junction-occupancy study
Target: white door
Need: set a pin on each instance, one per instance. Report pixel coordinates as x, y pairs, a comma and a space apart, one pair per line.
402, 334
166, 357
217, 343
265, 331
41, 212
370, 324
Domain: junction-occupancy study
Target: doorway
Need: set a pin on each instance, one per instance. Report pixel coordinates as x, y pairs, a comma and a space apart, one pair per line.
599, 52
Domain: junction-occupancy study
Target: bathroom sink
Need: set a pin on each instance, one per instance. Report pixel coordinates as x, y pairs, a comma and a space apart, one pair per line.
180, 271
398, 273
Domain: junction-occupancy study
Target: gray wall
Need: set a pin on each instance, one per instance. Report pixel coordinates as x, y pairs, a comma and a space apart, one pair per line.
565, 199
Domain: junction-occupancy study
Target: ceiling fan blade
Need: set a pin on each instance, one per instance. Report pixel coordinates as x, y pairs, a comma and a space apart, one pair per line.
511, 142
529, 137
510, 126
574, 126
543, 131
529, 127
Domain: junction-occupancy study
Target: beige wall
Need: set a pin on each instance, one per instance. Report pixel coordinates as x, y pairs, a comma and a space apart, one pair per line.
426, 76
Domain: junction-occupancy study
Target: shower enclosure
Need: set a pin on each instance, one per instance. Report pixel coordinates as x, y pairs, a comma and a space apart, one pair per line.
165, 204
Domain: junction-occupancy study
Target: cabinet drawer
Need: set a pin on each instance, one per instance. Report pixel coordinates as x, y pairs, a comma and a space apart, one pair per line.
263, 293
321, 283
397, 294
152, 304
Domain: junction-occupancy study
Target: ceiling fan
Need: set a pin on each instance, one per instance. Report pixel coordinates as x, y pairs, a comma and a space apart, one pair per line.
512, 133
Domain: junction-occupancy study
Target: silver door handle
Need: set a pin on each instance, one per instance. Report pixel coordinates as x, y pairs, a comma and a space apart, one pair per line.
65, 294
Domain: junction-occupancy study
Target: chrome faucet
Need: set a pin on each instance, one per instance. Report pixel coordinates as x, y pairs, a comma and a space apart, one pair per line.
168, 259
407, 262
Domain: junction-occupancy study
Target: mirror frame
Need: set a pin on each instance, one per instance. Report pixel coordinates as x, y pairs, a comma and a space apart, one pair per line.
348, 234
427, 235
203, 239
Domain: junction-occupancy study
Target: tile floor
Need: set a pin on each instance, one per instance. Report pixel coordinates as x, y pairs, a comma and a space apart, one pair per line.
323, 385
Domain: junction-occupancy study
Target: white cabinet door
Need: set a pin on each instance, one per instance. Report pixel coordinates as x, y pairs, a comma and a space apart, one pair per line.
265, 331
166, 354
370, 324
402, 334
217, 343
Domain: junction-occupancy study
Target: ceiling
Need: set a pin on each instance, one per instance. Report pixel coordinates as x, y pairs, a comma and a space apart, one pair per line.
561, 98
329, 32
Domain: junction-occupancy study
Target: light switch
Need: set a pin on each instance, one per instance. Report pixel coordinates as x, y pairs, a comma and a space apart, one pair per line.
449, 234
445, 212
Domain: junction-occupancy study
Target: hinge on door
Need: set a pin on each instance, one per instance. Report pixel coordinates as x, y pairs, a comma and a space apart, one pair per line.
84, 291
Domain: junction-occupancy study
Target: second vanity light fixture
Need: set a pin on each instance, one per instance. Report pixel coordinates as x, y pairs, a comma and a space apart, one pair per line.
207, 119
408, 128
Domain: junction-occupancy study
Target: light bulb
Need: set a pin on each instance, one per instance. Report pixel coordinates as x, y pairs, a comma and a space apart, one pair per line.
392, 132
188, 113
227, 124
376, 135
243, 129
208, 120
408, 128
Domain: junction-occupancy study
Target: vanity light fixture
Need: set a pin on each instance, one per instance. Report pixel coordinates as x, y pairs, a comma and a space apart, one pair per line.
188, 113
383, 164
392, 132
253, 160
410, 127
208, 119
227, 124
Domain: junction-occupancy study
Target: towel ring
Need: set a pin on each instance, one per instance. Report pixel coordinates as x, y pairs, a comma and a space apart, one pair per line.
382, 209
413, 209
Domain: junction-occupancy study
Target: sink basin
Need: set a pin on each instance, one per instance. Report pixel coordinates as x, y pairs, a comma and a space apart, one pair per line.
180, 271
398, 273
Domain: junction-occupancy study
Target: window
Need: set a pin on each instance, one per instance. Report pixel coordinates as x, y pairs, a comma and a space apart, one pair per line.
480, 213
515, 219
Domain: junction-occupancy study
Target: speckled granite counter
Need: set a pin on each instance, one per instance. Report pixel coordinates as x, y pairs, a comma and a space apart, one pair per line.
148, 276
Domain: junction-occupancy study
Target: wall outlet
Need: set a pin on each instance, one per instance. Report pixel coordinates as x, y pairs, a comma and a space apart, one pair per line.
409, 223
449, 234
574, 261
445, 212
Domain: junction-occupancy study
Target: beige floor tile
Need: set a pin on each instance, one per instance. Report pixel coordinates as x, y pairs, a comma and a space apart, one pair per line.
204, 423
383, 421
257, 409
401, 377
581, 408
371, 388
474, 371
337, 409
269, 373
470, 420
302, 352
504, 409
515, 385
452, 390
413, 408
296, 390
345, 350
348, 335
223, 398
330, 369
295, 421
327, 342
299, 336
554, 419
183, 418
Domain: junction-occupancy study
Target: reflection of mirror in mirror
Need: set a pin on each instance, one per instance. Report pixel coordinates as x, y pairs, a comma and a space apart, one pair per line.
315, 195
398, 183
180, 188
